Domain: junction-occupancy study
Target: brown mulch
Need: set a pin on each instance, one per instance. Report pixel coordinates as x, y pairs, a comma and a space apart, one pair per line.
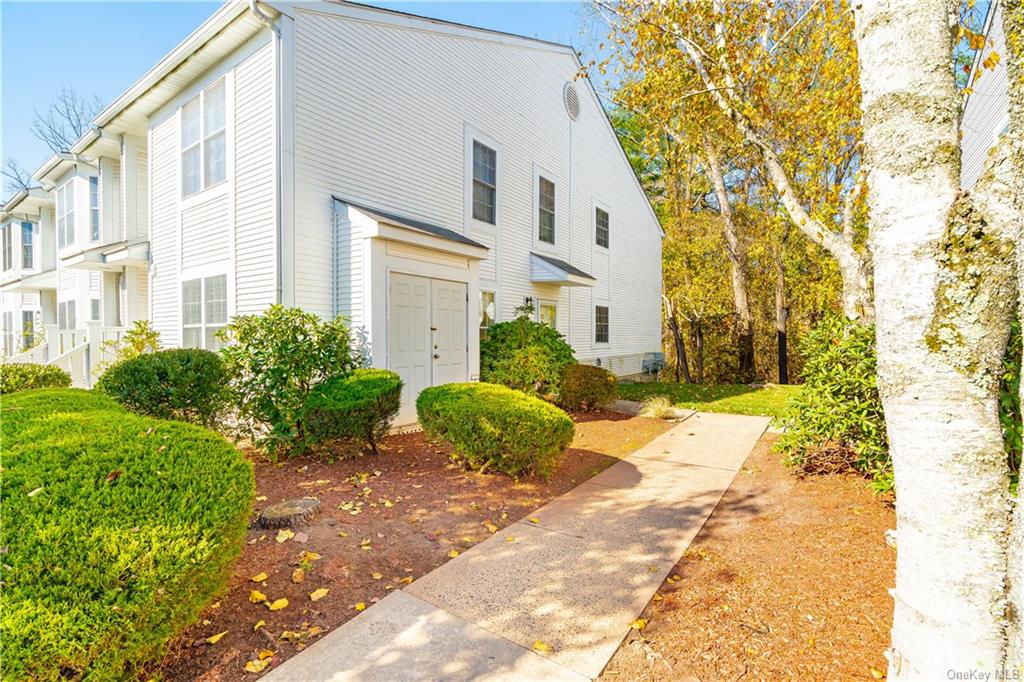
386, 520
787, 580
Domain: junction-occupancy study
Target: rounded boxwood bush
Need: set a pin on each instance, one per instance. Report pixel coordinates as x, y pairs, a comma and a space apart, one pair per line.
360, 405
187, 384
21, 376
495, 426
525, 355
118, 530
586, 387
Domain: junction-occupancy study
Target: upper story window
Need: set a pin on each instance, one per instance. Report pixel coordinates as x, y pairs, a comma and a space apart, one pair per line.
601, 324
485, 182
601, 224
545, 210
27, 234
94, 208
8, 247
65, 214
203, 140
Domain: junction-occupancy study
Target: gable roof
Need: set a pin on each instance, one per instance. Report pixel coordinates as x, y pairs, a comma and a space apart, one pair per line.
411, 223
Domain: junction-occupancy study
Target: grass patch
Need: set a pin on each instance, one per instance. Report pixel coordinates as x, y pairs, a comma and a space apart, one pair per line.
769, 400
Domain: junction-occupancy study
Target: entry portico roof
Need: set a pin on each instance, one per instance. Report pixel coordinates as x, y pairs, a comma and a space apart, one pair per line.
411, 223
550, 270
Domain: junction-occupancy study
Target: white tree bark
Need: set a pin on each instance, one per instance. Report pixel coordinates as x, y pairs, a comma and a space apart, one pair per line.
943, 295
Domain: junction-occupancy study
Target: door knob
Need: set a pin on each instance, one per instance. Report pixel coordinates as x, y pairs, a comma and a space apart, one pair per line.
437, 356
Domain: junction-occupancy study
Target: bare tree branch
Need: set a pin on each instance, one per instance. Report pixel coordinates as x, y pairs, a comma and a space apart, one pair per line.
16, 177
68, 117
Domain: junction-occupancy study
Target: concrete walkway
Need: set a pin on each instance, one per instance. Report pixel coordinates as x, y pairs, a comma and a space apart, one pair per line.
574, 580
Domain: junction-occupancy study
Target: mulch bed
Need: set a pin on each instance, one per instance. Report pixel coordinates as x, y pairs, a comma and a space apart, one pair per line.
386, 520
787, 580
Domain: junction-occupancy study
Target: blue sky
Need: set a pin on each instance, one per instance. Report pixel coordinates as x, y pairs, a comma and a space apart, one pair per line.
103, 47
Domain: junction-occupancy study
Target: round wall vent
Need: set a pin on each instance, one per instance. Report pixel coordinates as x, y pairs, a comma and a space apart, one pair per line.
572, 101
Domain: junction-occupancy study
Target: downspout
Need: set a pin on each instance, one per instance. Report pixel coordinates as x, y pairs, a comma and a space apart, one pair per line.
254, 7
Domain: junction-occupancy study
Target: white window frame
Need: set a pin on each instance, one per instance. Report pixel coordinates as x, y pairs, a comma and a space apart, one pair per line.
541, 304
65, 212
28, 336
471, 135
67, 315
8, 246
598, 206
204, 138
94, 208
31, 245
494, 316
608, 324
203, 275
538, 243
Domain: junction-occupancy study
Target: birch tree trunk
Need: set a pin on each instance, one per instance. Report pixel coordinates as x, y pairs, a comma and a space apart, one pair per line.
738, 265
944, 294
1013, 28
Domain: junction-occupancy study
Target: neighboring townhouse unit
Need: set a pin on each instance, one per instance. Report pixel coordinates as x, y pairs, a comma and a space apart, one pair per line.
986, 109
28, 281
423, 179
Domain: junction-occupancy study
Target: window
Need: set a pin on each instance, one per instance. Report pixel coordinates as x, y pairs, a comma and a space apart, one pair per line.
601, 324
27, 258
547, 314
94, 309
203, 140
65, 214
485, 178
8, 248
487, 312
66, 315
9, 336
601, 223
94, 208
28, 329
546, 210
204, 311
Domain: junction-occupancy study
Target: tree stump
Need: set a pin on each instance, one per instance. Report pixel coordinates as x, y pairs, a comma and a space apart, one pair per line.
289, 514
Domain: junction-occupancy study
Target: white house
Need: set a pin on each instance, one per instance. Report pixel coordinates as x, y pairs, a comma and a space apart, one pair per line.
420, 177
986, 107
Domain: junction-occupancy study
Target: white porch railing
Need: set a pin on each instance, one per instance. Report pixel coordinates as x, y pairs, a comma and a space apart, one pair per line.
39, 355
76, 363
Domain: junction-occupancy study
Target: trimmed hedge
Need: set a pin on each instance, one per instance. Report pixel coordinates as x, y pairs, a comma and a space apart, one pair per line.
119, 529
21, 376
586, 387
494, 426
187, 384
361, 405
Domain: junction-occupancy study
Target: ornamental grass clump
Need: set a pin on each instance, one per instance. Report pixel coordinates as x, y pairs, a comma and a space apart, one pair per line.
118, 530
491, 426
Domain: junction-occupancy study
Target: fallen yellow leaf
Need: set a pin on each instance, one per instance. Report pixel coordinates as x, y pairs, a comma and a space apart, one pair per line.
638, 624
318, 593
534, 519
541, 646
257, 666
876, 673
361, 606
490, 526
298, 575
213, 639
407, 580
259, 625
257, 597
656, 597
342, 534
454, 553
259, 577
278, 604
284, 534
261, 498
377, 576
265, 654
510, 538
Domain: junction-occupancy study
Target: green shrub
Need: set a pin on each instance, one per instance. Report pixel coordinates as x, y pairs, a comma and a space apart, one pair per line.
361, 405
586, 387
1009, 403
274, 360
525, 355
22, 376
118, 530
187, 384
495, 426
836, 422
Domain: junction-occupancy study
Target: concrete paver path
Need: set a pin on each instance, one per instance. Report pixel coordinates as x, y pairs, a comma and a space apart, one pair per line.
574, 580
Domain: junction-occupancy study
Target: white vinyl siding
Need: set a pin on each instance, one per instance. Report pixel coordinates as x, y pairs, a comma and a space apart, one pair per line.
206, 232
987, 107
255, 207
164, 231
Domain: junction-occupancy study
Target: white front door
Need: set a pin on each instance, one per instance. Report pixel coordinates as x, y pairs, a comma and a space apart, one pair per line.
426, 335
